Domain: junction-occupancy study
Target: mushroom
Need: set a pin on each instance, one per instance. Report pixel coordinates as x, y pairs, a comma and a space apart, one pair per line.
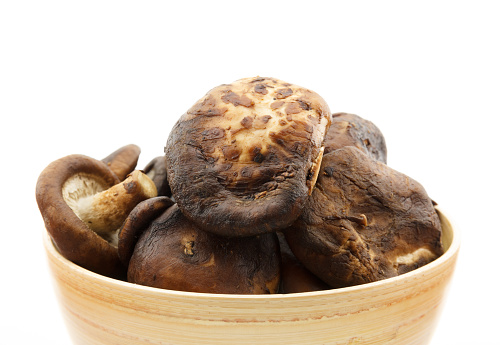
244, 158
105, 211
352, 130
294, 276
157, 171
83, 204
123, 161
364, 222
172, 253
137, 222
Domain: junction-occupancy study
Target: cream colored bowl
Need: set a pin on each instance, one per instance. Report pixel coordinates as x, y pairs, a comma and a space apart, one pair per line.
400, 310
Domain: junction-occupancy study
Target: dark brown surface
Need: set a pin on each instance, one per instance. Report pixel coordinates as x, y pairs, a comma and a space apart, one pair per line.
124, 160
174, 254
137, 222
352, 130
74, 240
361, 221
157, 171
238, 166
294, 276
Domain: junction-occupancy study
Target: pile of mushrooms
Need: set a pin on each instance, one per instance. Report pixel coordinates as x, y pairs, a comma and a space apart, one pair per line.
261, 190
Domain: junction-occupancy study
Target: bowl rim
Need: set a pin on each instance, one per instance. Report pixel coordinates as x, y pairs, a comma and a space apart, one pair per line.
447, 255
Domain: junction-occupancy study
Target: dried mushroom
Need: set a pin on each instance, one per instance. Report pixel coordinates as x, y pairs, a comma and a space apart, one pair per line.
364, 222
294, 276
123, 161
260, 190
172, 253
244, 158
137, 222
157, 171
83, 205
352, 130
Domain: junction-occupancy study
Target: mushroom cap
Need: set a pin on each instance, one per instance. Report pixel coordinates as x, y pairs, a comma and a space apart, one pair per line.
352, 130
295, 277
174, 254
71, 236
124, 160
364, 222
157, 171
137, 222
244, 158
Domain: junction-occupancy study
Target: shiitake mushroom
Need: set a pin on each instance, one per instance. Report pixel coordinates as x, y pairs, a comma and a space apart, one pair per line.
157, 171
123, 160
244, 158
241, 164
353, 130
364, 222
83, 204
295, 277
137, 222
173, 253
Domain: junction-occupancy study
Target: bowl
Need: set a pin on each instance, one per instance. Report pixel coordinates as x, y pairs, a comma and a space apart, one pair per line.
399, 310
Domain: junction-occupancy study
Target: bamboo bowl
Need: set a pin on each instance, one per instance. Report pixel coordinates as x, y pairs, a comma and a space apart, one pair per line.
401, 310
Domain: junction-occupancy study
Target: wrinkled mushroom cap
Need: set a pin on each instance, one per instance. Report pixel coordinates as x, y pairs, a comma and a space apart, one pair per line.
71, 176
364, 222
174, 254
353, 130
243, 159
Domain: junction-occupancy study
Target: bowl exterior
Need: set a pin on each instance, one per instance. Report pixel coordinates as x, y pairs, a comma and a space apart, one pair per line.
401, 310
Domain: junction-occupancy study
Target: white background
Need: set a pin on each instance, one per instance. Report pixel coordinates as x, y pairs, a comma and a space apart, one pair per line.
90, 76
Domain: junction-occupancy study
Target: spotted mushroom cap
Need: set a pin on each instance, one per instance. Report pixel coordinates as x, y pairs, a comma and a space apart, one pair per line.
242, 160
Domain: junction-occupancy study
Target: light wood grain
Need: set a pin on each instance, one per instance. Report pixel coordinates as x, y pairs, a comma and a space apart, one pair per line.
401, 310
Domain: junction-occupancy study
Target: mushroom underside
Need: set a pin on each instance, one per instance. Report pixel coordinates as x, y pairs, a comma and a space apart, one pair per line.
72, 237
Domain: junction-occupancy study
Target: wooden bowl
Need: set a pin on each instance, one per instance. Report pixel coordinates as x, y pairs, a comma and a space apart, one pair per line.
400, 310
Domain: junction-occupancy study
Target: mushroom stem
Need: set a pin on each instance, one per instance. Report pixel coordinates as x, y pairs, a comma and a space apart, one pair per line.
105, 212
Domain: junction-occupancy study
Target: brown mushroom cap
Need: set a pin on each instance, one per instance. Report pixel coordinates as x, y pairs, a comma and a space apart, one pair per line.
124, 160
352, 130
157, 171
72, 237
295, 277
137, 222
174, 254
364, 222
244, 158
